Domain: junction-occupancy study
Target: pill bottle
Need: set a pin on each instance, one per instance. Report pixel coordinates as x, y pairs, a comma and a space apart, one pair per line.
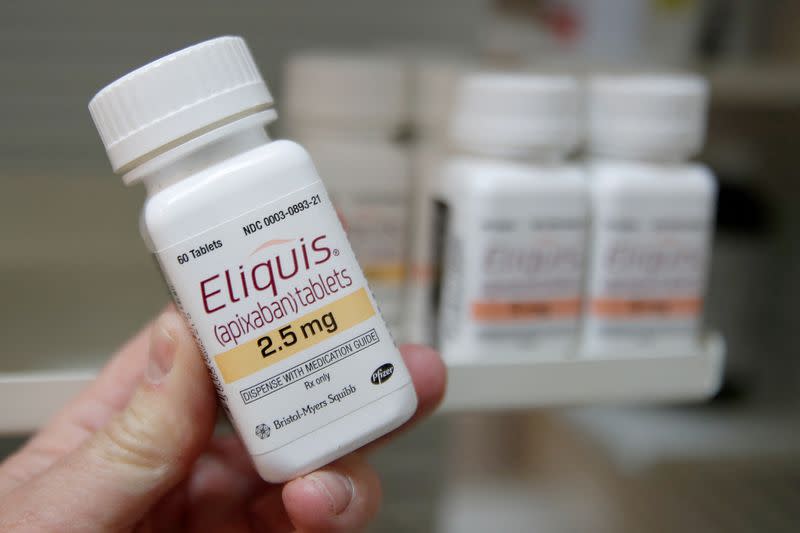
349, 110
513, 216
433, 90
652, 211
256, 259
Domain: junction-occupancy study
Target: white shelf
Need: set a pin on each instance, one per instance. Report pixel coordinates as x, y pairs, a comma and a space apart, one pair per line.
31, 398
518, 385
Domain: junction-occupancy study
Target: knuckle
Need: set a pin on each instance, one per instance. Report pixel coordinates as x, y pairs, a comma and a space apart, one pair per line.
135, 439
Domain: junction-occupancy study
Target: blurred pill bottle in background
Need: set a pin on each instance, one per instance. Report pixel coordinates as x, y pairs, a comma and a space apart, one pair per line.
434, 82
652, 215
350, 111
512, 220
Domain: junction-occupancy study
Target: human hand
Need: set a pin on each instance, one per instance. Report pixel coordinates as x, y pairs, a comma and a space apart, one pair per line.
135, 451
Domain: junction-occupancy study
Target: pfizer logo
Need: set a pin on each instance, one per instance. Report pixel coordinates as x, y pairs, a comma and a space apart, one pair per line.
382, 374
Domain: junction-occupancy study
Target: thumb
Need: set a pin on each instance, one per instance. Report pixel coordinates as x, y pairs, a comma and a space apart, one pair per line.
112, 480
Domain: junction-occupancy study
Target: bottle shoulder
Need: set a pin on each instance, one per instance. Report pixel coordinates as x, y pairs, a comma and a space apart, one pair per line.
620, 177
224, 191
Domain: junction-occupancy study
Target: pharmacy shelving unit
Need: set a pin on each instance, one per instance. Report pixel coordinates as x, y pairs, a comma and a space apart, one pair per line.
31, 397
493, 385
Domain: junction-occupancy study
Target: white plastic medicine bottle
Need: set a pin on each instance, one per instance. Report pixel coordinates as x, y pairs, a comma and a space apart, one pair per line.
256, 259
513, 214
347, 110
653, 213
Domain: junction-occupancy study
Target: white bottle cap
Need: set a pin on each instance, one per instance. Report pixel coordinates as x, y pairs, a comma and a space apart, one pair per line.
177, 98
516, 114
647, 116
337, 90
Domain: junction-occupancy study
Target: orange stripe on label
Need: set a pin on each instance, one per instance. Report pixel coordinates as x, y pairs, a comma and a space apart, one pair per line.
421, 272
384, 272
618, 307
490, 310
296, 336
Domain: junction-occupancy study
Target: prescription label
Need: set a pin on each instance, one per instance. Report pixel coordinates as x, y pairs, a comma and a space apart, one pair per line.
378, 228
513, 278
282, 312
649, 271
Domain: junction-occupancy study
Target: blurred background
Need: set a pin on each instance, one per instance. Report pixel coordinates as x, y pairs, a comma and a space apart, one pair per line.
71, 254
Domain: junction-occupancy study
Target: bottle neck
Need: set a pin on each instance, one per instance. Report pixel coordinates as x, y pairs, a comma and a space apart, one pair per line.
183, 161
664, 159
651, 150
539, 156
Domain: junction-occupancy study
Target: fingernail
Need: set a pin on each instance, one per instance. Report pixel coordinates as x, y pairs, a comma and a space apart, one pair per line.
162, 352
337, 488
